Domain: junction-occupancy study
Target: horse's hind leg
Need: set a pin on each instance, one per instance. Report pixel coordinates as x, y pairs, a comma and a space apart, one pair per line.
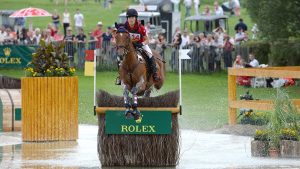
126, 102
136, 113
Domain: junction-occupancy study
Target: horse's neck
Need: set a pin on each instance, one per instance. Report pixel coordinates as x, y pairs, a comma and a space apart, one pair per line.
131, 59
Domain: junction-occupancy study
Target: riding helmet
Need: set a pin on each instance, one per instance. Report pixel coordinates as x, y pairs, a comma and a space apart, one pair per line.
131, 13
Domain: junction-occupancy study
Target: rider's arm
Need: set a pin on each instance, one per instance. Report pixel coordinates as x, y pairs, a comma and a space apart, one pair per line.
146, 40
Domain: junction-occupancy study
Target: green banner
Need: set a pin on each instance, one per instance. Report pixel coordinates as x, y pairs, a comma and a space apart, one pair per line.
152, 122
12, 56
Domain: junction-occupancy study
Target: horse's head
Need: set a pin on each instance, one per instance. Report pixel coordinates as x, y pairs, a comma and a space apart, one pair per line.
122, 41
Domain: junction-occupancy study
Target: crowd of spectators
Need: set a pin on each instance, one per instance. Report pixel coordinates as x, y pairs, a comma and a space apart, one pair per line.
207, 52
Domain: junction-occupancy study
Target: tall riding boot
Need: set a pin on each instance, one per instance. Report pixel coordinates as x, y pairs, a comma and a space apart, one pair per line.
118, 80
154, 69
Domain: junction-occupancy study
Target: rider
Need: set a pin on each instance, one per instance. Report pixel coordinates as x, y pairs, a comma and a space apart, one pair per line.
139, 37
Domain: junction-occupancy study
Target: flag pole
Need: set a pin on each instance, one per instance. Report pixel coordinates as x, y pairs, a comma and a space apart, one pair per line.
180, 94
183, 54
95, 57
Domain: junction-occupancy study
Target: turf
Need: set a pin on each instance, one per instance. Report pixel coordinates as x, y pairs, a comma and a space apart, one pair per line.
204, 96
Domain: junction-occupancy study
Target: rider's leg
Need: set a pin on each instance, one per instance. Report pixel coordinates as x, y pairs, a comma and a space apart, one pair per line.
152, 62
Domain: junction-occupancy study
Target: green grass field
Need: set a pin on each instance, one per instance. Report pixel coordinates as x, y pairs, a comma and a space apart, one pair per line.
204, 96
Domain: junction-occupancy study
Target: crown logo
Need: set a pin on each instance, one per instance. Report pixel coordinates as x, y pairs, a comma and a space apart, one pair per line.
7, 51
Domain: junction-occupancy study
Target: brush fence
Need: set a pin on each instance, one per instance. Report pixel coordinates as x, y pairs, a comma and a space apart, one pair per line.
50, 108
138, 149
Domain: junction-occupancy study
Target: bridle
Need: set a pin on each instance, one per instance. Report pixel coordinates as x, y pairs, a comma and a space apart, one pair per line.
124, 47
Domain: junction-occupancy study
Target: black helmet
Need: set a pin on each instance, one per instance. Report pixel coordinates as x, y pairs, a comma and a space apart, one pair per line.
131, 12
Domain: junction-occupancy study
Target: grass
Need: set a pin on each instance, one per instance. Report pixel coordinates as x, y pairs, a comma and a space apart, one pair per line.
204, 96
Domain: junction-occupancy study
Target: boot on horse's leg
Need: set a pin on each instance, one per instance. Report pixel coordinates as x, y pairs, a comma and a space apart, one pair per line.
118, 80
135, 112
154, 69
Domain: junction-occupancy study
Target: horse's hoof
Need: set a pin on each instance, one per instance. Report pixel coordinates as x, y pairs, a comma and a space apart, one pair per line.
128, 114
136, 114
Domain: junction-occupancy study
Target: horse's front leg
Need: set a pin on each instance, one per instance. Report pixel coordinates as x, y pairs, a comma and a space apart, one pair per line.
126, 102
140, 86
136, 113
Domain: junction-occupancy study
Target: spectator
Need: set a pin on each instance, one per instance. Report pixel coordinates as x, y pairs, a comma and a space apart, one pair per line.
177, 30
148, 27
11, 37
161, 45
48, 38
219, 11
30, 40
151, 40
55, 19
69, 45
239, 37
185, 39
79, 20
239, 62
52, 29
66, 21
196, 6
254, 31
19, 24
188, 6
106, 37
227, 49
211, 46
3, 35
37, 35
98, 36
241, 25
176, 43
253, 62
207, 13
81, 40
236, 7
58, 36
92, 42
22, 36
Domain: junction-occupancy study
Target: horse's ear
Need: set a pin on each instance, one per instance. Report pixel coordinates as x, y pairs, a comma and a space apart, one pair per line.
116, 25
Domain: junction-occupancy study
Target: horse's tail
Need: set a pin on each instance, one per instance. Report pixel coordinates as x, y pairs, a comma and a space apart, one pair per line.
161, 72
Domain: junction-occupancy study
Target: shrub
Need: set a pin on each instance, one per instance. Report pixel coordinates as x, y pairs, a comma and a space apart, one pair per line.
49, 60
285, 53
261, 50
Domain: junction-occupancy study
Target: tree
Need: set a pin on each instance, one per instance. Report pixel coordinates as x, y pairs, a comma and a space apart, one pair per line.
276, 19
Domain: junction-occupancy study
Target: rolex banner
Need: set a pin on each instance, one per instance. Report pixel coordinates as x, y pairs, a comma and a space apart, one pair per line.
152, 122
12, 56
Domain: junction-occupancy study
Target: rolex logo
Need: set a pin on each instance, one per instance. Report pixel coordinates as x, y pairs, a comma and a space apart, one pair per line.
7, 52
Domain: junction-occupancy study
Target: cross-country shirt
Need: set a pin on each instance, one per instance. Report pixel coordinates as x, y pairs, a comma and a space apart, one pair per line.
137, 32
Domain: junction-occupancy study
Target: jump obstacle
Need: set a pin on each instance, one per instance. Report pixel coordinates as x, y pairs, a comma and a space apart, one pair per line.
138, 149
276, 72
10, 104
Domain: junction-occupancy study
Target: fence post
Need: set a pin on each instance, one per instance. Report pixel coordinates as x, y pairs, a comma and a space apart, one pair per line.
231, 97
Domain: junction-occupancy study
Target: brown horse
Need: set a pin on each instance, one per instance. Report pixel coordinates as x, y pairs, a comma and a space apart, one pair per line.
133, 72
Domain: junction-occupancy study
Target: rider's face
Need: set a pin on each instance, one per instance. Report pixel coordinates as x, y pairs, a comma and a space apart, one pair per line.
131, 20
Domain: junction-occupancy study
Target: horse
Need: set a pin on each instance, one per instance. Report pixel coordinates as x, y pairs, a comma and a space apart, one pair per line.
134, 76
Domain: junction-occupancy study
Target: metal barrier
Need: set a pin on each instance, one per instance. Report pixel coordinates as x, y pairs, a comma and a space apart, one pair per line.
204, 58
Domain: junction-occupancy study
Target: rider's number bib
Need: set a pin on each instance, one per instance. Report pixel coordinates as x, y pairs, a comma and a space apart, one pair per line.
135, 37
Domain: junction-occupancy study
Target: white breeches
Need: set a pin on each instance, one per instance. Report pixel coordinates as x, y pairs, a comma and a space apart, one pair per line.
146, 48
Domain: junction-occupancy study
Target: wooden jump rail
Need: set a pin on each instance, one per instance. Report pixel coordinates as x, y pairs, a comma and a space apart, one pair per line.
276, 72
102, 110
